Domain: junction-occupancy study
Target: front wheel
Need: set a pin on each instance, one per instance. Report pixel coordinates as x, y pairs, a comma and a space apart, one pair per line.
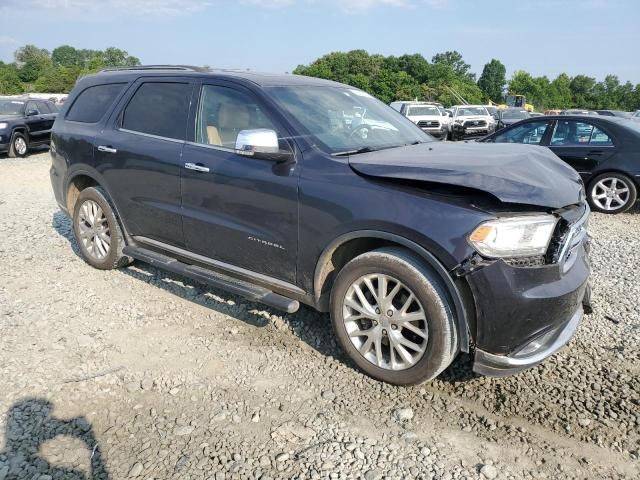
391, 315
612, 193
19, 145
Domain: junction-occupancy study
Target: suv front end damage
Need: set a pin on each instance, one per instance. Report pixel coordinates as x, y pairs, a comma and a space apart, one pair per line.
527, 308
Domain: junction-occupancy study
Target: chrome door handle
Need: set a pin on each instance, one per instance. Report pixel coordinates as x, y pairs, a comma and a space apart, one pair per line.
103, 148
196, 167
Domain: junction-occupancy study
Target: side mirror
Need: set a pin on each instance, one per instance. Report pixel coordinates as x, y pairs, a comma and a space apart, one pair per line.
31, 113
261, 143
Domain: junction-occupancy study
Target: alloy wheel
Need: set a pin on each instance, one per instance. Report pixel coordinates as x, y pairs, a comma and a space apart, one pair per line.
93, 229
385, 321
610, 193
20, 145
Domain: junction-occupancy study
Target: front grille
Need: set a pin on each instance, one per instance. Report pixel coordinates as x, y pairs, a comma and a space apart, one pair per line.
429, 124
570, 234
475, 123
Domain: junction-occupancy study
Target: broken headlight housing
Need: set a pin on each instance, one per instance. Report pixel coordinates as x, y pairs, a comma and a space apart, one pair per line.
513, 237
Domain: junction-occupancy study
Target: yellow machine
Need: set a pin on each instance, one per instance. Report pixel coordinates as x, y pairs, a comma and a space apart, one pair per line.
519, 101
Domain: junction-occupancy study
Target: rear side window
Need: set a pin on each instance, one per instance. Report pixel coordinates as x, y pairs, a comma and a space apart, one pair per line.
159, 109
93, 103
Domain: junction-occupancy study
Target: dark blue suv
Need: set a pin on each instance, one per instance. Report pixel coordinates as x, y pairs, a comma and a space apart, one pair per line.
289, 190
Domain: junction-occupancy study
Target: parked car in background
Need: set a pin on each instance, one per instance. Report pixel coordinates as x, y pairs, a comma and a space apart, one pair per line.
636, 114
577, 111
509, 116
535, 114
25, 123
429, 117
493, 111
470, 121
604, 150
552, 112
614, 113
253, 183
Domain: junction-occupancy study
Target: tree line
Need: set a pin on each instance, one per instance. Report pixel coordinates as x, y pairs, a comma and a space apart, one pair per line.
411, 76
38, 70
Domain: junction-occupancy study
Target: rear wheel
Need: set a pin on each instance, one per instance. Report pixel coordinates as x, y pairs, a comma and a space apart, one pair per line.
612, 193
19, 145
393, 318
97, 230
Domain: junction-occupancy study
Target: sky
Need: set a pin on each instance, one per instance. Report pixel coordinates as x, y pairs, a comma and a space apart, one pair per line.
543, 37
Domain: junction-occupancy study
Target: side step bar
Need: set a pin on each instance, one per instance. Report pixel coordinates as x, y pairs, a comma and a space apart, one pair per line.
215, 279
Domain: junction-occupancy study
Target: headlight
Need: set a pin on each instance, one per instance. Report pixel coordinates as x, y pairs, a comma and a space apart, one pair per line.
3, 125
514, 236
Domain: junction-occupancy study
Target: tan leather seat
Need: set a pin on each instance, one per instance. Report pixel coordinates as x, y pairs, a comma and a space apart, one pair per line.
213, 136
232, 118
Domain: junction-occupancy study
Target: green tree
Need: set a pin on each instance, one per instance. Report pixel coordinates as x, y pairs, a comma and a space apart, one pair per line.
456, 62
582, 91
559, 95
10, 83
67, 56
493, 80
32, 61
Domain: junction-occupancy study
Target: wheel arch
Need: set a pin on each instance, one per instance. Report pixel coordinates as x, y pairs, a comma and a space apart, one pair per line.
81, 178
604, 171
349, 245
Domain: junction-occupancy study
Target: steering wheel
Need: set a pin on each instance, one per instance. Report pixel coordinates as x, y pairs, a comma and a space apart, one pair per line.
363, 130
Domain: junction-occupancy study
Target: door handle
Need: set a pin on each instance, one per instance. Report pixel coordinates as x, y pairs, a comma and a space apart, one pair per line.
105, 149
198, 167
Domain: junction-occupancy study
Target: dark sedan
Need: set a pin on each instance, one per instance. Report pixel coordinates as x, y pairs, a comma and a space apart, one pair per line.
509, 116
604, 150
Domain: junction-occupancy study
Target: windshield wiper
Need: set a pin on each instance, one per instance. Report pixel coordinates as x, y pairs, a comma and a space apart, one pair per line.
356, 151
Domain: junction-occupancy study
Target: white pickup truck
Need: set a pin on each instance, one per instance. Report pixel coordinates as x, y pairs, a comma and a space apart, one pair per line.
471, 121
430, 117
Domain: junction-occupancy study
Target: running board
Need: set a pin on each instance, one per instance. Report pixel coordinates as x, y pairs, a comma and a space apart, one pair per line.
214, 279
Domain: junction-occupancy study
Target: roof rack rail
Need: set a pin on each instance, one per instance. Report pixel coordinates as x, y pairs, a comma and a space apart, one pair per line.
184, 68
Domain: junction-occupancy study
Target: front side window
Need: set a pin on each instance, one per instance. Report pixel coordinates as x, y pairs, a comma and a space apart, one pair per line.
32, 107
342, 120
224, 112
159, 108
530, 133
570, 132
43, 107
91, 105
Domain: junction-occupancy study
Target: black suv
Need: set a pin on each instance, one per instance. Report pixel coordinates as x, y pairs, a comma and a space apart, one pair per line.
275, 188
25, 123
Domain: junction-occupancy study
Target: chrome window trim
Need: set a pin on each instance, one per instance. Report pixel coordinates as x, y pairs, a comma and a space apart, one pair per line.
149, 135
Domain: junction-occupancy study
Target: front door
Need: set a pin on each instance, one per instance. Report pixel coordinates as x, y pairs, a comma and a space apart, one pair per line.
581, 144
139, 155
237, 209
36, 122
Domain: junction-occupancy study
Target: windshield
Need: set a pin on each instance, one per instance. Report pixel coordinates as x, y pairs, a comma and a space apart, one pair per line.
423, 111
340, 120
516, 114
11, 107
467, 111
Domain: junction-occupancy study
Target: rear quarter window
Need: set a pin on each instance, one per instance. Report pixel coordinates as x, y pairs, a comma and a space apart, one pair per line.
93, 103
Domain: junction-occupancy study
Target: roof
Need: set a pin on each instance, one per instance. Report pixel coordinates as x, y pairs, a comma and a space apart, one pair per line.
257, 78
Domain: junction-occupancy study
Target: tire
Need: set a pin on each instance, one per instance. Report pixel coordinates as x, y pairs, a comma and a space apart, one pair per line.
612, 193
19, 145
431, 305
98, 231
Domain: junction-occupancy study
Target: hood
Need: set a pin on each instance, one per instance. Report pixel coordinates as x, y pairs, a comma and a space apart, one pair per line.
474, 117
521, 174
8, 118
418, 118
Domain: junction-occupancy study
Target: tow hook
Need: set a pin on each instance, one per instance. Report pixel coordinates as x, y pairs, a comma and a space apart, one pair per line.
474, 262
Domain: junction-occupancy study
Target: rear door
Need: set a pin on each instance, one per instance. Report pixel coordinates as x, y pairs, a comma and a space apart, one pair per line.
139, 155
581, 144
238, 209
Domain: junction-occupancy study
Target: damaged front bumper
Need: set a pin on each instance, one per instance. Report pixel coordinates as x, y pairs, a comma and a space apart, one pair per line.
531, 354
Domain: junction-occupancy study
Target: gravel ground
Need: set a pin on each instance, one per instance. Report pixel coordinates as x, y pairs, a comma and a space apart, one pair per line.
136, 373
